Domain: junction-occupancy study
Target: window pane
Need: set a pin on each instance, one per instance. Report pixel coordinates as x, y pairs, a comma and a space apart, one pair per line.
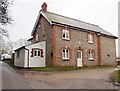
63, 34
38, 53
63, 54
66, 34
79, 54
91, 55
67, 53
90, 38
35, 53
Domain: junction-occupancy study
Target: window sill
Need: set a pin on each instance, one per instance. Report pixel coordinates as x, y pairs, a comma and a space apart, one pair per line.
91, 59
36, 56
66, 39
66, 59
90, 42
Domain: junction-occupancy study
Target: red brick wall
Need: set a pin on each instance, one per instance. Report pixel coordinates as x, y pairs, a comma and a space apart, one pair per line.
76, 37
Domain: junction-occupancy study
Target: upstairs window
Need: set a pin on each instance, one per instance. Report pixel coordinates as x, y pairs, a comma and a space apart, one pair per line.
65, 54
65, 34
91, 55
90, 38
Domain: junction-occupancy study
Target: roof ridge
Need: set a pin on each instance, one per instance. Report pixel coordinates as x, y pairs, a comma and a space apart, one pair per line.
71, 18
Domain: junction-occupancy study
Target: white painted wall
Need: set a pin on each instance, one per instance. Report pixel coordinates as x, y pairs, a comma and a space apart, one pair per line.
19, 61
25, 59
36, 61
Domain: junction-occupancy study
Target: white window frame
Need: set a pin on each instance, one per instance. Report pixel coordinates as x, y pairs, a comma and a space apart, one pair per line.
36, 53
36, 37
67, 34
91, 55
65, 54
90, 38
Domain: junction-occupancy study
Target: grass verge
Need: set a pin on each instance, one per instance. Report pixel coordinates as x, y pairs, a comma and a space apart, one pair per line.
9, 62
55, 68
66, 68
116, 76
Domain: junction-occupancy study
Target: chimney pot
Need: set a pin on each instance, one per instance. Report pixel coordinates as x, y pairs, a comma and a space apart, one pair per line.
44, 7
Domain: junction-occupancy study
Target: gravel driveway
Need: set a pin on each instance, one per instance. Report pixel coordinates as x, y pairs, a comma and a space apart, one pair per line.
78, 79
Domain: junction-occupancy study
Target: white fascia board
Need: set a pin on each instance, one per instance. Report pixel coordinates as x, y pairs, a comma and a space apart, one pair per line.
46, 18
38, 20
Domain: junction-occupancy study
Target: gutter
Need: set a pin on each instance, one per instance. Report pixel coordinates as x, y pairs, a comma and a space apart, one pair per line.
82, 29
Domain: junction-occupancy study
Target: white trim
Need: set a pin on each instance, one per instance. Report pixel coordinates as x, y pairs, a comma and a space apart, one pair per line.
66, 32
91, 55
90, 38
66, 54
80, 60
40, 12
46, 18
91, 42
91, 58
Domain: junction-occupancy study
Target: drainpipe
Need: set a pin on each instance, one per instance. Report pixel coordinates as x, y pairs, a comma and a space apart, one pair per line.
119, 33
28, 58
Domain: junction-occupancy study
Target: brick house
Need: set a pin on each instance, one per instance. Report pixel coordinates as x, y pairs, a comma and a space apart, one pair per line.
70, 42
69, 39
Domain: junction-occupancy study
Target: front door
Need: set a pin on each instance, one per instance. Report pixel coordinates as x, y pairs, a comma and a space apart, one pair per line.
79, 58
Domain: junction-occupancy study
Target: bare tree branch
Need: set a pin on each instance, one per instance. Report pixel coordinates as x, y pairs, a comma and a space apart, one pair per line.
5, 19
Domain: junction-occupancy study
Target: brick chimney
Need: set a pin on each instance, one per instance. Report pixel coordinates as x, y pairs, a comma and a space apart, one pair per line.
44, 7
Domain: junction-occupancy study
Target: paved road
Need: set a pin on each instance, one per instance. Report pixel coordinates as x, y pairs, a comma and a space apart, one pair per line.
11, 79
80, 79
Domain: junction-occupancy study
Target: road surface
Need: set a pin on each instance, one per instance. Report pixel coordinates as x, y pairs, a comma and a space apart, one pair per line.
79, 79
11, 79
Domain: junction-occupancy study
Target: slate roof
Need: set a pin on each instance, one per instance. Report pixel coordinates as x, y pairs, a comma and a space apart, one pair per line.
55, 18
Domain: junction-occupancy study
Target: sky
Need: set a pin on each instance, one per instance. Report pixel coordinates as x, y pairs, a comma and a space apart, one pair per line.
99, 12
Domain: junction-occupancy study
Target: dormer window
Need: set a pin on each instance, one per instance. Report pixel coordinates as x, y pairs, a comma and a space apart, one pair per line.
65, 34
90, 38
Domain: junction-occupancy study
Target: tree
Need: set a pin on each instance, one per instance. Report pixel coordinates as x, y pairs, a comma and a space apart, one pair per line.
1, 44
4, 20
8, 48
4, 16
19, 43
